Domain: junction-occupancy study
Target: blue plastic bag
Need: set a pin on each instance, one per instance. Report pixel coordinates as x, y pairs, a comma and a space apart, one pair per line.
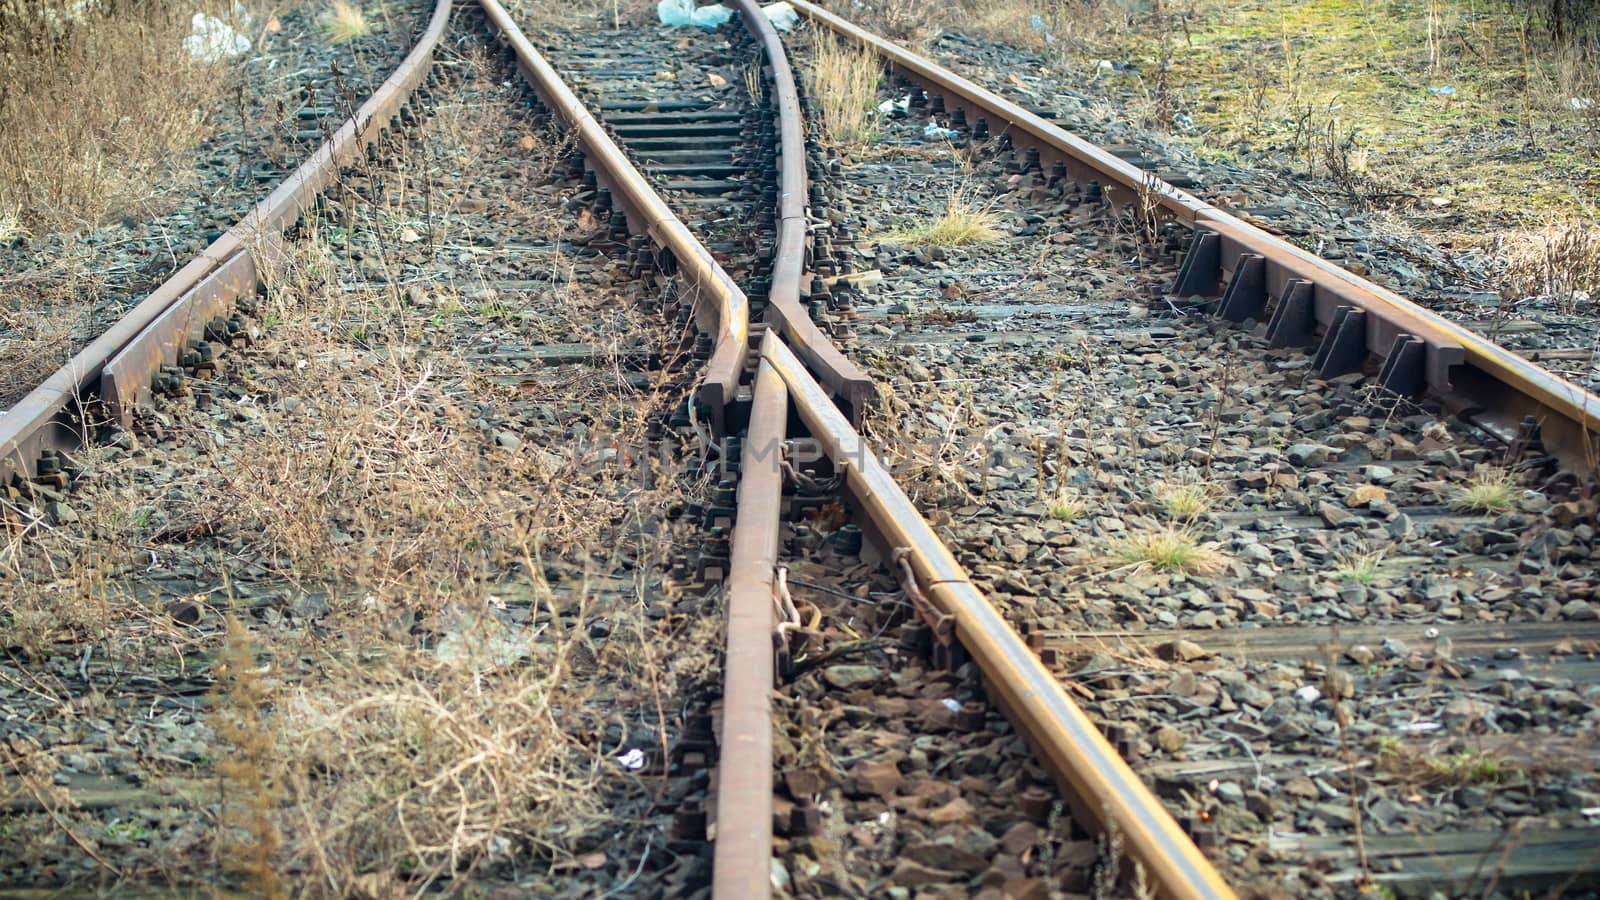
710, 16
677, 13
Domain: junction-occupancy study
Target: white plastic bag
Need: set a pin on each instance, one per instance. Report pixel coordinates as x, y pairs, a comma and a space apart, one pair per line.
213, 40
781, 15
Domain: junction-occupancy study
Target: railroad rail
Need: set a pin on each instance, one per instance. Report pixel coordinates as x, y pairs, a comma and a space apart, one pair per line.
757, 373
188, 313
1107, 793
1250, 274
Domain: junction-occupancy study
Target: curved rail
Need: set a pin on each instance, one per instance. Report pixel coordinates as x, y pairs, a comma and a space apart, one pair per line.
1107, 791
1421, 349
784, 309
721, 308
117, 367
1074, 751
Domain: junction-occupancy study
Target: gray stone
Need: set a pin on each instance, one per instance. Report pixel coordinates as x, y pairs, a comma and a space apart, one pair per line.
60, 513
1464, 711
849, 678
911, 873
1336, 516
1336, 814
1278, 710
1579, 611
965, 848
1309, 454
1289, 730
1385, 812
1251, 695
1533, 502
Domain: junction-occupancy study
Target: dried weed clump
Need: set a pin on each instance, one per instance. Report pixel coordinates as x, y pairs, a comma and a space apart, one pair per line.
1185, 500
378, 485
1067, 506
344, 22
842, 86
1053, 26
1363, 568
930, 436
1560, 260
441, 632
448, 764
37, 323
99, 109
1169, 549
965, 221
1490, 490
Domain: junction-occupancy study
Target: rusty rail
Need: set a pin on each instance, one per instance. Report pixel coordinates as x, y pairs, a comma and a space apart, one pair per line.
116, 368
742, 867
784, 310
1079, 757
1083, 762
1249, 269
743, 810
721, 308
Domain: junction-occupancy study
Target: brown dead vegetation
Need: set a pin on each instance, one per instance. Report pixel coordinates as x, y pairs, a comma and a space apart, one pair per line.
99, 108
413, 730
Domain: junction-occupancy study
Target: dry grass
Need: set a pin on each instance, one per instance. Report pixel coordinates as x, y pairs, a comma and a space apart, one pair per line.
938, 457
37, 341
1067, 506
842, 87
1490, 490
1560, 260
1359, 567
98, 118
1053, 28
447, 713
966, 221
11, 225
1061, 24
1168, 549
344, 22
1187, 500
430, 761
907, 21
400, 767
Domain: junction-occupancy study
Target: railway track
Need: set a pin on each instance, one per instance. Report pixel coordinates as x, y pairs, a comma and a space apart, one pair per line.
947, 590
